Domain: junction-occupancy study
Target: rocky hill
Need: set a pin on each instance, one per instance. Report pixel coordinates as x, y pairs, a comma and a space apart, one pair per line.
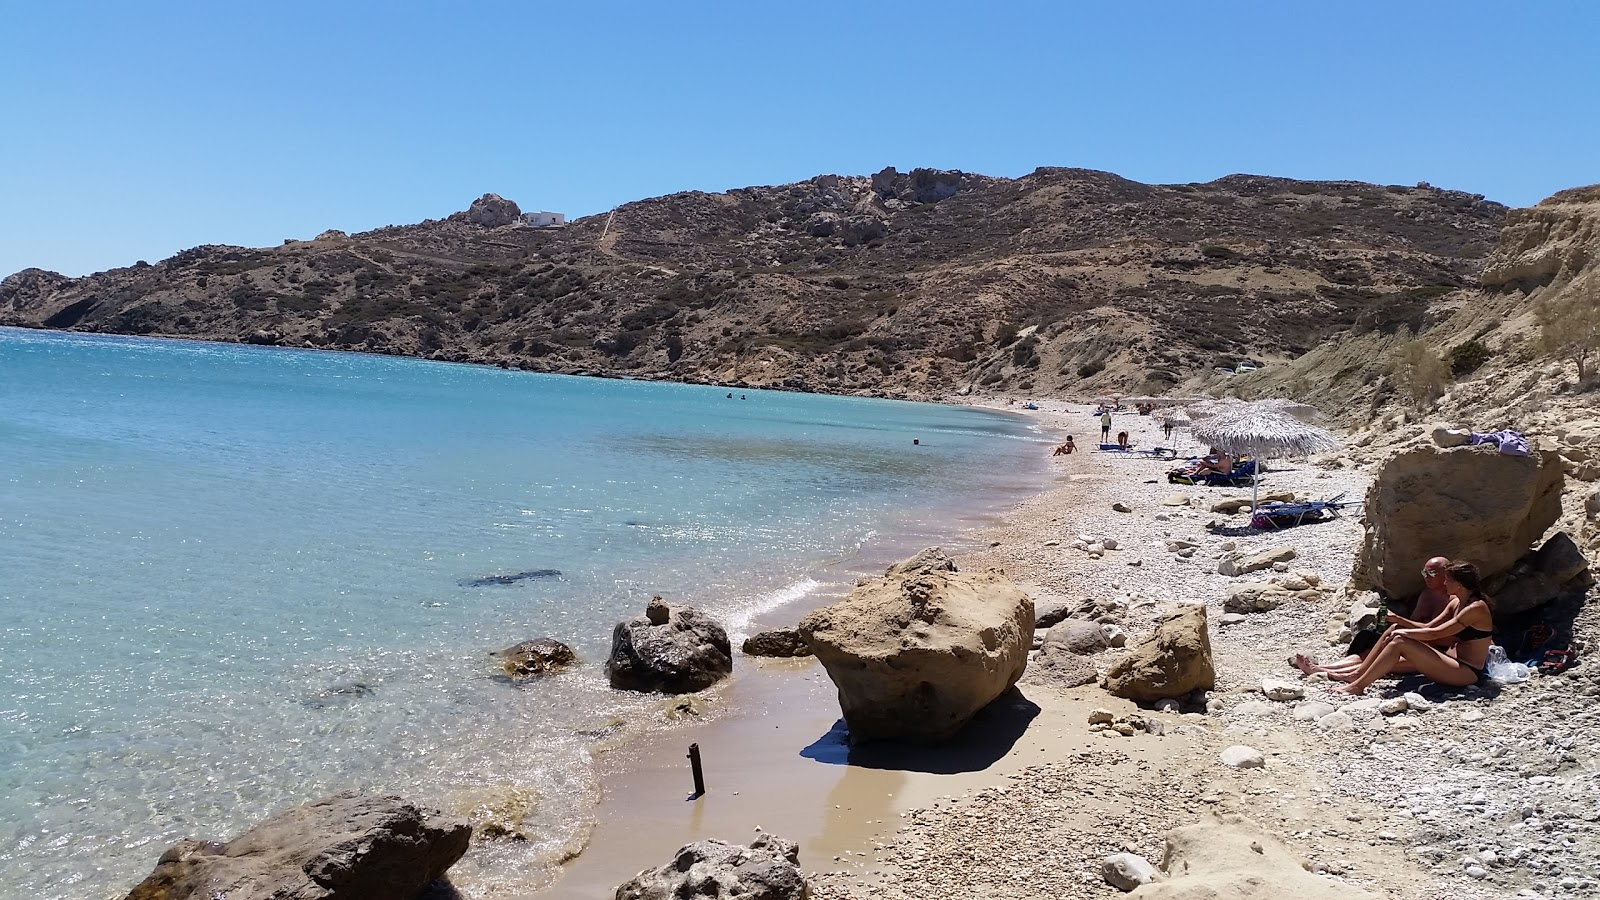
1483, 359
920, 284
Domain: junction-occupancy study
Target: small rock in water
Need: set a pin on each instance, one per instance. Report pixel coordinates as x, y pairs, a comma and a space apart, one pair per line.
1241, 757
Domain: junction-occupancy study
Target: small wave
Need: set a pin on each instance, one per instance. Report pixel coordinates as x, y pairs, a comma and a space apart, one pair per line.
743, 614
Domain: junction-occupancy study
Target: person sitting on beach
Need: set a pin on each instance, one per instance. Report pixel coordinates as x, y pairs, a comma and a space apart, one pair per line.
1122, 439
1215, 461
1471, 626
1065, 448
1433, 607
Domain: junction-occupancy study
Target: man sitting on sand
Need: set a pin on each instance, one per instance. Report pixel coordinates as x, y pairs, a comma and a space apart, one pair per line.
1065, 448
1433, 607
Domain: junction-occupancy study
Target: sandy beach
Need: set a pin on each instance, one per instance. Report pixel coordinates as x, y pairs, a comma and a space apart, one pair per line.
1029, 800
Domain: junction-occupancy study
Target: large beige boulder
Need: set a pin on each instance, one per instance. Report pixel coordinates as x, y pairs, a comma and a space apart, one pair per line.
915, 654
1174, 660
1229, 856
1466, 503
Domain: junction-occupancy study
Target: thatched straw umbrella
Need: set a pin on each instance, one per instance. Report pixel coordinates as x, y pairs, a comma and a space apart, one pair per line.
1205, 409
1305, 412
1254, 431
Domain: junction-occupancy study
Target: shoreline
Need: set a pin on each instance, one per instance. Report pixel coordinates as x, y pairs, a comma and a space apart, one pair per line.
1062, 795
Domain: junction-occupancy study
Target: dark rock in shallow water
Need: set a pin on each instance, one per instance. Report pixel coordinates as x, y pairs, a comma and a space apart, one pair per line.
347, 847
338, 693
487, 580
686, 653
536, 657
778, 642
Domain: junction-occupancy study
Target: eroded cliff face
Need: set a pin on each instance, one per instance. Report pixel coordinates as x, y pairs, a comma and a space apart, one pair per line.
921, 283
1550, 243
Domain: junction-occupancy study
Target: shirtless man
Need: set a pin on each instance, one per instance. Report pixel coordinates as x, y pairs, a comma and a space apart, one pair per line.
1432, 607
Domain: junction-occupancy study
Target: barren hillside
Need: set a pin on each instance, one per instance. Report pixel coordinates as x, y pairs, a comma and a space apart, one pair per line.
925, 283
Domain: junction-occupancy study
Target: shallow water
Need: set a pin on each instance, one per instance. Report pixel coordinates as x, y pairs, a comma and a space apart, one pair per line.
239, 578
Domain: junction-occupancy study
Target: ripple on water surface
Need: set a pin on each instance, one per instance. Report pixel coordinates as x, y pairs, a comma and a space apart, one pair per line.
239, 579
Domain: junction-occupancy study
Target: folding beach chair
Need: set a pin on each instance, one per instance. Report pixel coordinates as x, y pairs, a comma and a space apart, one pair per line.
1288, 515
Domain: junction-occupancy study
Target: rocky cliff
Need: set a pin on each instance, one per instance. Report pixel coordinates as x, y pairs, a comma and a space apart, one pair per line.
925, 283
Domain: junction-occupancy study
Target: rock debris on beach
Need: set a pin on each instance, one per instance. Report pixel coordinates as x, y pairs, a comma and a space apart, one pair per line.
1471, 794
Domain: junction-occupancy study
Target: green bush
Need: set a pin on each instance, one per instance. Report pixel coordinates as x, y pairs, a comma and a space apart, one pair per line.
1091, 368
1466, 357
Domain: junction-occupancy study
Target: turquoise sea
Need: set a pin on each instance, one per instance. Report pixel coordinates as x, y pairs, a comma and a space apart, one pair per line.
233, 579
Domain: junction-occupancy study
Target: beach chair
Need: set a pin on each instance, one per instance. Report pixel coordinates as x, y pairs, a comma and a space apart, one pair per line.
1116, 448
1158, 453
1243, 475
1289, 515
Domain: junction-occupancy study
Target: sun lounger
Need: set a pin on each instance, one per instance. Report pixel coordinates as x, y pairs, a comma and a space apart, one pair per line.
1288, 515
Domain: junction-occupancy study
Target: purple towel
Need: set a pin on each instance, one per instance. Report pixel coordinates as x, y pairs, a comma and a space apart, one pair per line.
1511, 443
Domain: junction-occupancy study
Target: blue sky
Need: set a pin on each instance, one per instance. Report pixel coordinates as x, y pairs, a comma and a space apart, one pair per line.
134, 130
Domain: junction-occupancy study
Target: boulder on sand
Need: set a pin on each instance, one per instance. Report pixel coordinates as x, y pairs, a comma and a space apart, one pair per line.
1229, 856
768, 869
347, 847
915, 654
1173, 661
686, 653
1467, 503
1540, 576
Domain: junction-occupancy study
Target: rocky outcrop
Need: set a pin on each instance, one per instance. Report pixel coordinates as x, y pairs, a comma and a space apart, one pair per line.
1173, 661
347, 847
768, 869
1229, 856
1541, 576
686, 652
492, 211
917, 653
776, 642
540, 656
1466, 503
1550, 242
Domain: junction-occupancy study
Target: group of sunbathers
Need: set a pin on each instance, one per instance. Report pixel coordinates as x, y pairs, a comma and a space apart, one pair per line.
1446, 638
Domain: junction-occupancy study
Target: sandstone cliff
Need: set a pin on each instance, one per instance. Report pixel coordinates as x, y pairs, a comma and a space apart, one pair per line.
924, 283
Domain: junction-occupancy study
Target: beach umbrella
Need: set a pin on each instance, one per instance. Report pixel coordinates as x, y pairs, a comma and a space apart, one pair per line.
1205, 409
1305, 412
1259, 432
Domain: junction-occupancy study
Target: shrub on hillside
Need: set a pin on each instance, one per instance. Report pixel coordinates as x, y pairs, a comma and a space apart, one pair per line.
1466, 357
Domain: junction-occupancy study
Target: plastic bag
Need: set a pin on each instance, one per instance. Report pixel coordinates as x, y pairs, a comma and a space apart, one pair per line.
1502, 670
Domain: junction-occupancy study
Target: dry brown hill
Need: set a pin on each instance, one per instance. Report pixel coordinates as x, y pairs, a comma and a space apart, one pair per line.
1493, 369
925, 283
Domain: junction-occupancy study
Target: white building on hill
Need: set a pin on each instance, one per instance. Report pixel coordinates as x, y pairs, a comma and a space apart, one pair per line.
544, 219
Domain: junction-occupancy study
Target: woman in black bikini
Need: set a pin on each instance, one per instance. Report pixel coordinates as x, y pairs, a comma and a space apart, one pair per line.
1472, 627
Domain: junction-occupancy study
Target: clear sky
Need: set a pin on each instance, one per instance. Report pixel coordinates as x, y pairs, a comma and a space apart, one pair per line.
132, 130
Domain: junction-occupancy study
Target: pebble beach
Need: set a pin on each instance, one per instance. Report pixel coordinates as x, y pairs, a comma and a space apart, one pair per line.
1408, 792
1478, 793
